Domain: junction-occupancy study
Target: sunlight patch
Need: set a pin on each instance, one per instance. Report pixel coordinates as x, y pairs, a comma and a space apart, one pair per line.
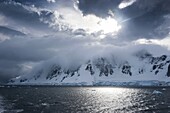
126, 3
162, 42
72, 18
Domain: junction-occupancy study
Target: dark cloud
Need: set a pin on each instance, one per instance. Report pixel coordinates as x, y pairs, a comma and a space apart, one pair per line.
8, 69
98, 7
25, 16
7, 31
36, 3
144, 24
139, 20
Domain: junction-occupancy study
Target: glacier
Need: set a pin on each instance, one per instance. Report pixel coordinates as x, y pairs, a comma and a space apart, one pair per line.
140, 69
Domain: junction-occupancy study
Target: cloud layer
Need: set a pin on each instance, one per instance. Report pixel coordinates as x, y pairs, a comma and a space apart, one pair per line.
72, 32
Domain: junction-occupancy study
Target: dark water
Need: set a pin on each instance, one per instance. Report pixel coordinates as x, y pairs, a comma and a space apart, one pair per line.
85, 100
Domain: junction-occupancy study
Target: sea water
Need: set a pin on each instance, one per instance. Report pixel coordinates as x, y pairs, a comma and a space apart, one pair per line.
45, 99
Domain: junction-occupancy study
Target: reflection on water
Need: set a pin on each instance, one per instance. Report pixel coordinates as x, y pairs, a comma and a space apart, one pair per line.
86, 99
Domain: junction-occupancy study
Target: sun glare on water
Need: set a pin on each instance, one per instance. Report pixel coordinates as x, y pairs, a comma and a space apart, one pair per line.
110, 90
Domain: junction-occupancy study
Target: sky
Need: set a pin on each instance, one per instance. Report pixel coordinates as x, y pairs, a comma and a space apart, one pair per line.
70, 32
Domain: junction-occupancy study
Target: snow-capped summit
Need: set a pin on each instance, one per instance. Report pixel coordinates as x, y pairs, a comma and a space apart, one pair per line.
142, 68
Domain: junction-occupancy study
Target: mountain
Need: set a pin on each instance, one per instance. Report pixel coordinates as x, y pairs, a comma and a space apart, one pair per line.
142, 68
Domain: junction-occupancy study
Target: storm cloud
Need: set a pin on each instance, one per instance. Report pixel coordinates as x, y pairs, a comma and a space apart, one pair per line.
141, 19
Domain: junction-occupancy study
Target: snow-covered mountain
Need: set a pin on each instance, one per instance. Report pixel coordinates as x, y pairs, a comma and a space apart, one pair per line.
142, 68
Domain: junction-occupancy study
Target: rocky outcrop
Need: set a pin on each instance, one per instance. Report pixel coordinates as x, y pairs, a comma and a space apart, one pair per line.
55, 70
126, 69
168, 72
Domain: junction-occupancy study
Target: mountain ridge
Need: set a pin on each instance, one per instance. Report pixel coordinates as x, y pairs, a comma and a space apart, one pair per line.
142, 69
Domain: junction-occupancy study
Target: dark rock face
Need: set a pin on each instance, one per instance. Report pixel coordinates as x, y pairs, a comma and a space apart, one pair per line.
159, 63
23, 80
126, 69
55, 70
104, 66
89, 68
156, 72
141, 71
63, 78
154, 67
168, 73
155, 60
163, 57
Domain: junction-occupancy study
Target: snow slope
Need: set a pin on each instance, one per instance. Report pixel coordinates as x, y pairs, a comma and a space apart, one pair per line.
141, 68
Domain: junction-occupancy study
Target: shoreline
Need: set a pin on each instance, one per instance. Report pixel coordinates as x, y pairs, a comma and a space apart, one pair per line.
78, 86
